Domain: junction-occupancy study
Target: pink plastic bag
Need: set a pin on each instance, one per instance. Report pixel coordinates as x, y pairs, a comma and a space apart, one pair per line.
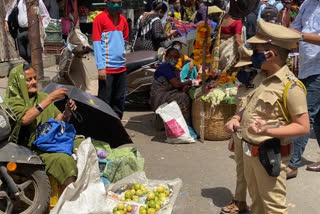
173, 129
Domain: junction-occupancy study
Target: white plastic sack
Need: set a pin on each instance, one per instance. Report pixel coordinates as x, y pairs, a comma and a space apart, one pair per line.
140, 177
176, 127
87, 195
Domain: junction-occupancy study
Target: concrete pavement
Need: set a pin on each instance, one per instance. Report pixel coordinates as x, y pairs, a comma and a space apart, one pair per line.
208, 170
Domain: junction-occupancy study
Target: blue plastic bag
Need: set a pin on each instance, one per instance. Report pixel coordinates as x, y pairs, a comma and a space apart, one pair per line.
193, 133
55, 137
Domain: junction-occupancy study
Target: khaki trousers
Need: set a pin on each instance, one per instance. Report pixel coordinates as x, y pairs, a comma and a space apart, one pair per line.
268, 193
241, 184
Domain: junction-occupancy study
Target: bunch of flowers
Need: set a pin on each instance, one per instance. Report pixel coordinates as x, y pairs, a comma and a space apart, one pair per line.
225, 93
225, 78
202, 32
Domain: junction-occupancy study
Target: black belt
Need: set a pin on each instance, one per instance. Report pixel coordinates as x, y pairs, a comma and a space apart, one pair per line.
22, 29
252, 144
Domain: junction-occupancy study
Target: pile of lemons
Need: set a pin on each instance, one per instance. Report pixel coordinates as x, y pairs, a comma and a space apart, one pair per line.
153, 200
121, 208
134, 194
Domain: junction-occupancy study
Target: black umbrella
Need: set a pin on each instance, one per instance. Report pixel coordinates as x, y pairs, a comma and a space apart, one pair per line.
99, 121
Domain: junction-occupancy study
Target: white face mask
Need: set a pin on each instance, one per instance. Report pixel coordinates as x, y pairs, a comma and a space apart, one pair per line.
178, 47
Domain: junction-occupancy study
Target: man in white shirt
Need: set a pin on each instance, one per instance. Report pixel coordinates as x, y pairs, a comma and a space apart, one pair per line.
23, 36
307, 24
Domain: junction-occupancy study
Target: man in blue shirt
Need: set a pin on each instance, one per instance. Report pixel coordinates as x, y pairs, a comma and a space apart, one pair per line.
307, 23
279, 6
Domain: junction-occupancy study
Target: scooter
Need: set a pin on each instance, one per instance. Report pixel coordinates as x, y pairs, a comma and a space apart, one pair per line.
71, 68
24, 184
141, 66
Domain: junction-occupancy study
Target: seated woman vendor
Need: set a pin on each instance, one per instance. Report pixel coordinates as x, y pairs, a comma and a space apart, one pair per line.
167, 87
32, 108
183, 59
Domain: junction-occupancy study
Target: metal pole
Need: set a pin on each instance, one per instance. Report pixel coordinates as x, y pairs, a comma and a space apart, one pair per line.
204, 75
34, 36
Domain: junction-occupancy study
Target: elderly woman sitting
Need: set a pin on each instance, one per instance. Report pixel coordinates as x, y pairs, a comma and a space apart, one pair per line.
32, 108
167, 87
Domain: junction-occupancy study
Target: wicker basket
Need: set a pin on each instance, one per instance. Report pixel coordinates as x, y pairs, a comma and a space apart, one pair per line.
215, 118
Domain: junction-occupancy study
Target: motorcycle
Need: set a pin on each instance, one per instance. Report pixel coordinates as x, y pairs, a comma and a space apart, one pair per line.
72, 70
24, 184
141, 66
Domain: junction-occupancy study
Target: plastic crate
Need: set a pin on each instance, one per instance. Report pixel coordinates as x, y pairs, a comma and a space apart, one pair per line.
53, 36
53, 48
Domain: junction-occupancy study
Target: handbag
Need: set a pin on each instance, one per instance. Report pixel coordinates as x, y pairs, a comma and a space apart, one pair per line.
55, 137
13, 21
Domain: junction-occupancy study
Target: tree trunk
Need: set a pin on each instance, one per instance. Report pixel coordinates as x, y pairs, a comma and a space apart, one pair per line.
34, 36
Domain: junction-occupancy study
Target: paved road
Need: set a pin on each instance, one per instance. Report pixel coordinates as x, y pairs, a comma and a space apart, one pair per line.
208, 170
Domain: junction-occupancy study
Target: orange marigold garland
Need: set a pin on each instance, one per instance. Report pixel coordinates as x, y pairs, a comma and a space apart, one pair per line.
199, 42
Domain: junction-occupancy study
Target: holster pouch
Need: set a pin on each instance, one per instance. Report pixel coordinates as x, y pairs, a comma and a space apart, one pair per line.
270, 156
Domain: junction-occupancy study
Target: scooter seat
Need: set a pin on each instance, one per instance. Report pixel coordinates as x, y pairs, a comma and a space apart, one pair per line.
136, 60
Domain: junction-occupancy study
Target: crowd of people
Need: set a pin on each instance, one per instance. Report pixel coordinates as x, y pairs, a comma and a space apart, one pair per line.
266, 36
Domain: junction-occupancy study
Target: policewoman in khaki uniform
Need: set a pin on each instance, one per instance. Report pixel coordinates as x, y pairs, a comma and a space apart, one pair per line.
276, 110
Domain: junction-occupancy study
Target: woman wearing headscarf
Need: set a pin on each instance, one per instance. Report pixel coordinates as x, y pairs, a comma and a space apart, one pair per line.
150, 32
32, 108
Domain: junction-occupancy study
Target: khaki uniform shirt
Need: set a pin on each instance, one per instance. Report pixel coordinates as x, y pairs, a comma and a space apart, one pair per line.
241, 97
260, 102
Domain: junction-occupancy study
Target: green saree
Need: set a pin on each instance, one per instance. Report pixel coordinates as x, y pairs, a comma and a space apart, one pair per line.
59, 165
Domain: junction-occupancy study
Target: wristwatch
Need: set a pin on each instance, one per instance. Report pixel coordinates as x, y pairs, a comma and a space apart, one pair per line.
38, 106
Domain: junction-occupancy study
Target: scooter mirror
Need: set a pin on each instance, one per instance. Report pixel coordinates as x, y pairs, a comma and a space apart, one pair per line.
7, 110
5, 127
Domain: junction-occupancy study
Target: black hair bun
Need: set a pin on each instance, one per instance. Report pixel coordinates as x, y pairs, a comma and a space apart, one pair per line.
159, 5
